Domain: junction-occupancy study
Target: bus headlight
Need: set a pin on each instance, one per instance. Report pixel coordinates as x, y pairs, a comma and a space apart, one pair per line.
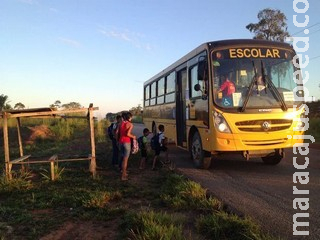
300, 123
220, 123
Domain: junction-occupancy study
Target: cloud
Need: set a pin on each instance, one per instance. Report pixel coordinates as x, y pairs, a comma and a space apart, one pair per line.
53, 10
117, 34
70, 42
30, 2
136, 39
36, 3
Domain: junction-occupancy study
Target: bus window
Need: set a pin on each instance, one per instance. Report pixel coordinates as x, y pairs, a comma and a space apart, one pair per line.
153, 93
259, 71
147, 95
161, 87
170, 87
160, 94
194, 81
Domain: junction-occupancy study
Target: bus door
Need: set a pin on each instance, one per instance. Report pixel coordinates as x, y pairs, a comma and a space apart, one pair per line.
181, 108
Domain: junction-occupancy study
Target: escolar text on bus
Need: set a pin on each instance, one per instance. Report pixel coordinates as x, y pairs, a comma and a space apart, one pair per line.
254, 53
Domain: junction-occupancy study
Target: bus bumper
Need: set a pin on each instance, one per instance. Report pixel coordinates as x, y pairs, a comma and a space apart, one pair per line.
256, 141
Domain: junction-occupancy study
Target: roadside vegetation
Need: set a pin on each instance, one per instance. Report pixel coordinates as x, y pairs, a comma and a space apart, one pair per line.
314, 120
151, 205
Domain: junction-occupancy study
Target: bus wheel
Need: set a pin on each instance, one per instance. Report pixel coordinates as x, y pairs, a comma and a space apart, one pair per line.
272, 160
201, 158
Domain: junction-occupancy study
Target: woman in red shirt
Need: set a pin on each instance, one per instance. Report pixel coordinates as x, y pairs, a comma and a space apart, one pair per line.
125, 142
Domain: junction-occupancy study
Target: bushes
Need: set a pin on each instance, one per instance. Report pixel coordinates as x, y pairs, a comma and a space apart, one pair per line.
180, 193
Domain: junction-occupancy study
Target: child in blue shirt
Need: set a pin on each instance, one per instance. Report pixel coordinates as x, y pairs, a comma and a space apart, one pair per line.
143, 145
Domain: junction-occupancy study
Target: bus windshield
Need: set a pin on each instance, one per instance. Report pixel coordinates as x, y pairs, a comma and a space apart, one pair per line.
253, 78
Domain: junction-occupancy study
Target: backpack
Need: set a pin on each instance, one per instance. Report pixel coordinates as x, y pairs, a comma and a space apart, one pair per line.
134, 146
110, 131
140, 142
155, 142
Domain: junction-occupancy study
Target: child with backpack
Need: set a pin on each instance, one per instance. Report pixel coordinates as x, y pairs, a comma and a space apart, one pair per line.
113, 135
158, 144
143, 141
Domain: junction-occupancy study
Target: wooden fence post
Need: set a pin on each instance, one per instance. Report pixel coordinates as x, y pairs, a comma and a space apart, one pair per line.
20, 141
93, 164
19, 136
6, 146
52, 160
52, 170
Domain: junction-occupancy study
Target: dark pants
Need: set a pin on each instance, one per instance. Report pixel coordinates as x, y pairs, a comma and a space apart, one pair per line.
115, 152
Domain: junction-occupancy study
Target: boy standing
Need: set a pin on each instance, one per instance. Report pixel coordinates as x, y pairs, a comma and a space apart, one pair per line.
160, 147
143, 141
113, 134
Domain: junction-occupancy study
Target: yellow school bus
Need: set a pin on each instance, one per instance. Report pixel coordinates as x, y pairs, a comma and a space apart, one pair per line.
229, 96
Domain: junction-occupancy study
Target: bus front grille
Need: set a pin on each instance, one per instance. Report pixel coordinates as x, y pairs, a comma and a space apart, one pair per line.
270, 125
264, 142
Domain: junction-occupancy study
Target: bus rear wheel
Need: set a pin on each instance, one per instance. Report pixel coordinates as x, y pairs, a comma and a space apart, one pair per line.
200, 158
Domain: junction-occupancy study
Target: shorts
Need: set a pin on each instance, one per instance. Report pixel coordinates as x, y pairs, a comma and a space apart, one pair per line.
143, 153
125, 149
161, 148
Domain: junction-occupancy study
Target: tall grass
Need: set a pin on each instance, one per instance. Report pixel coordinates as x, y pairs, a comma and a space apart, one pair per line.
100, 199
62, 130
105, 199
314, 128
58, 173
221, 225
154, 225
21, 180
181, 193
100, 130
183, 208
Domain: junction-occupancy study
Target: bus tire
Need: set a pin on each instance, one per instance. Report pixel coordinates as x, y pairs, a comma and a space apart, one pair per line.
272, 160
200, 158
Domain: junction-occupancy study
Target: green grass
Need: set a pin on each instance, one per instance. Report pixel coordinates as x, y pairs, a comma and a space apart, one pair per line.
151, 205
181, 193
153, 225
221, 225
32, 209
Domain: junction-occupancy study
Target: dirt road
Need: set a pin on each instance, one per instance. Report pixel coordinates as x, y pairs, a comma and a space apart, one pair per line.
265, 193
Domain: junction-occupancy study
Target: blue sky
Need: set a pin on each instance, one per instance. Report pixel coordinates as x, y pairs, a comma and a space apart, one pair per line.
101, 51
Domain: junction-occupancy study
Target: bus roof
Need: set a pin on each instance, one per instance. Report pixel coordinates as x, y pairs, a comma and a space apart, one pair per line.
217, 44
243, 42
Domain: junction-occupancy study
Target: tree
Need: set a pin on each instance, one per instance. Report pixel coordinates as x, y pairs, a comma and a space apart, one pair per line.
56, 104
272, 25
71, 105
136, 111
110, 116
19, 105
4, 105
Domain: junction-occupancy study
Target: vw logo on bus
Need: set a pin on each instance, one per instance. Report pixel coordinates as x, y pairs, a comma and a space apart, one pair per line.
266, 126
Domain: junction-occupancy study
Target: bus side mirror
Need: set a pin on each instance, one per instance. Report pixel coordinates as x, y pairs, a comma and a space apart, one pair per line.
197, 87
202, 70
